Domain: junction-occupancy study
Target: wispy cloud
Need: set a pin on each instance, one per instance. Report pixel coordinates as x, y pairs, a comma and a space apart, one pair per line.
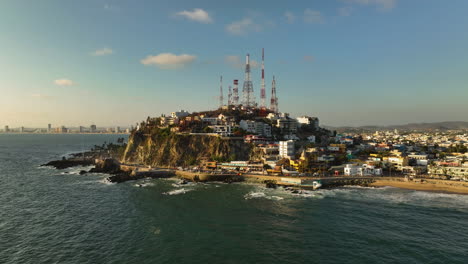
169, 60
236, 62
243, 26
290, 17
103, 52
381, 4
197, 14
313, 17
63, 82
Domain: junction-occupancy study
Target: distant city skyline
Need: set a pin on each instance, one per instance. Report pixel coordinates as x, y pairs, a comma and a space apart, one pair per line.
348, 62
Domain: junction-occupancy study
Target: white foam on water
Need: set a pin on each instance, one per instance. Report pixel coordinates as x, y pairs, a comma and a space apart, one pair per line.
105, 181
178, 185
252, 195
274, 197
144, 184
178, 191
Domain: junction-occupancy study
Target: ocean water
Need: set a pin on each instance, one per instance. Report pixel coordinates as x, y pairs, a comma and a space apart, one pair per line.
53, 216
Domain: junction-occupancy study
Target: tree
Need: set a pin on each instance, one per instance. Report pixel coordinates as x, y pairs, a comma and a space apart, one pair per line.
208, 129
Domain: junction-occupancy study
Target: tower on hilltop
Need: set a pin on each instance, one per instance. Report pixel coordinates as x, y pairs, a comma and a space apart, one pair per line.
221, 98
229, 96
235, 90
247, 90
262, 90
274, 99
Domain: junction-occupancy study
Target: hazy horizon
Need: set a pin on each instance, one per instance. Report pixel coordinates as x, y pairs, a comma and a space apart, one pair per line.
348, 62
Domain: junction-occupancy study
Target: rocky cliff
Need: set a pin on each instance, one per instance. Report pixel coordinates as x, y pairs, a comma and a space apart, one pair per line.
171, 149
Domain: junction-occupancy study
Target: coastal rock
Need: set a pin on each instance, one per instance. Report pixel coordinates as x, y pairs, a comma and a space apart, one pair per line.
67, 163
110, 166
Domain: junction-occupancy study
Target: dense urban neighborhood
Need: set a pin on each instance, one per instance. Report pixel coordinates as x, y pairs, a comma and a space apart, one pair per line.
281, 144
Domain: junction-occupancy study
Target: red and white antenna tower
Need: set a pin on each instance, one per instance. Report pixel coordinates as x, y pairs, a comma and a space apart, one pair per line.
262, 91
274, 99
221, 99
229, 96
235, 98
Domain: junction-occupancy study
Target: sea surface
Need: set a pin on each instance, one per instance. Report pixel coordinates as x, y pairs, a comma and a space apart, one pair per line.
58, 216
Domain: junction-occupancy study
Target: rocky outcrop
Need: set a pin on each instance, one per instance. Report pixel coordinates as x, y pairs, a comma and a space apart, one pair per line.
68, 163
172, 149
106, 166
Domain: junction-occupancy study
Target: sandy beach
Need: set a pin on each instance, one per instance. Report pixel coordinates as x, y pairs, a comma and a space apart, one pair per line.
432, 185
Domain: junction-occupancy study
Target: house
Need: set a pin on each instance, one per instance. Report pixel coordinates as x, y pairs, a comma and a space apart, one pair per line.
307, 120
222, 130
362, 170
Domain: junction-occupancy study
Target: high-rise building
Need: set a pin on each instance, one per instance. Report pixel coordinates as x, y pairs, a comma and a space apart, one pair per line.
82, 129
61, 129
93, 128
49, 128
22, 130
7, 129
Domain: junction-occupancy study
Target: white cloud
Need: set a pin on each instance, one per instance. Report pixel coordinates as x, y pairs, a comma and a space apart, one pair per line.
345, 11
236, 62
169, 60
381, 4
197, 14
103, 52
244, 26
63, 82
290, 17
313, 16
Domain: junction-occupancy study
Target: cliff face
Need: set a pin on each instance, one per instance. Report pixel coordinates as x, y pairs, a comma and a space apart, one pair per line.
182, 150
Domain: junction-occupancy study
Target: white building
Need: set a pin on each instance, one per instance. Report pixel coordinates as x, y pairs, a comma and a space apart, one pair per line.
364, 170
222, 130
180, 114
286, 149
256, 127
307, 120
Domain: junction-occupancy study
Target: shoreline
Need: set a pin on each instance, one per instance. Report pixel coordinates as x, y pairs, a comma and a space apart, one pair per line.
429, 185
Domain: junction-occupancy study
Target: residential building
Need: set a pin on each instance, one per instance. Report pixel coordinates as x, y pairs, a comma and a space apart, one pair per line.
287, 125
222, 130
362, 170
307, 120
256, 127
286, 149
180, 114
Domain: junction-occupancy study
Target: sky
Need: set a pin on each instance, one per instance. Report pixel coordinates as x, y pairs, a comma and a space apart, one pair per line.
116, 62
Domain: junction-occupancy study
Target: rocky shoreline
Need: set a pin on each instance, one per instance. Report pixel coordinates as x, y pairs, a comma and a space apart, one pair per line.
118, 173
121, 173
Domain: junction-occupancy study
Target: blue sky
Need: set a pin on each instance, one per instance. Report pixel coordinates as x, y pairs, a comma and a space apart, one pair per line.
115, 62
